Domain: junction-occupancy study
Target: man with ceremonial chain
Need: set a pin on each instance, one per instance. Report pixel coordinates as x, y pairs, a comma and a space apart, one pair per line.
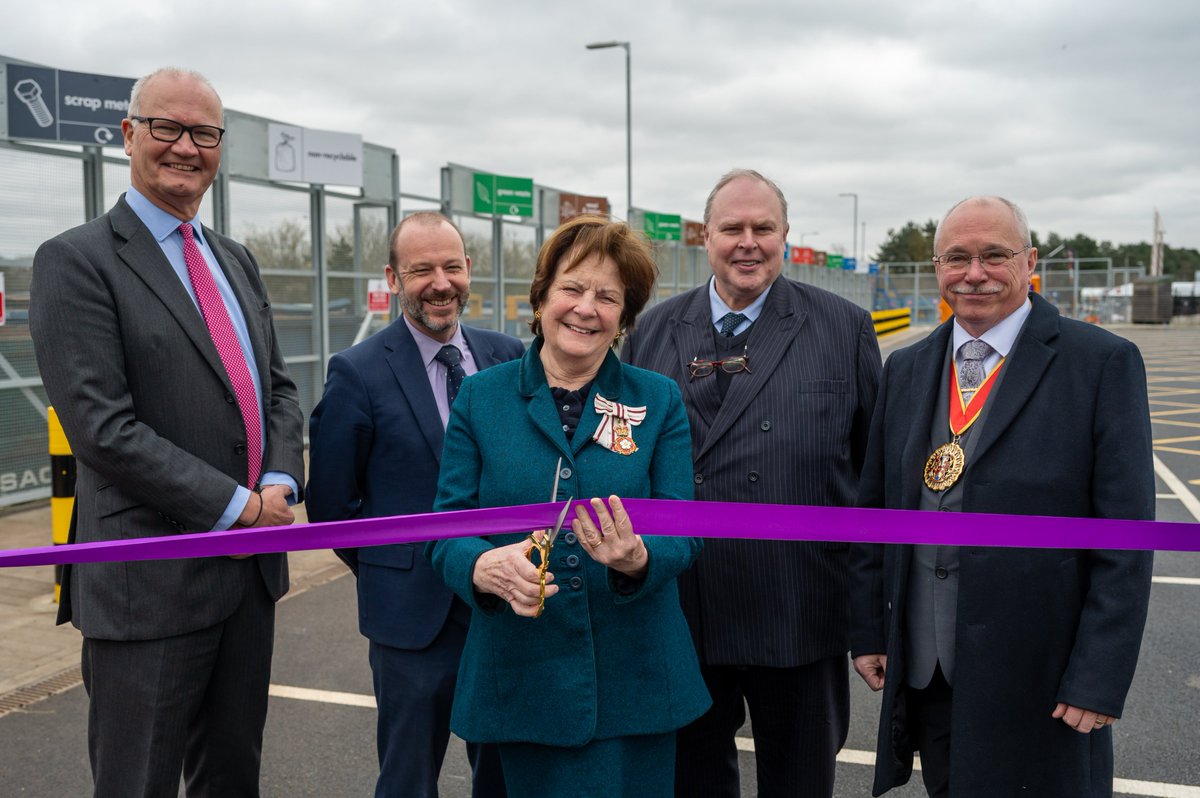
156, 345
1004, 667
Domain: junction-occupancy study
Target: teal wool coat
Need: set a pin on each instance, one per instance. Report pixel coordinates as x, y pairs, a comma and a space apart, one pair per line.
601, 662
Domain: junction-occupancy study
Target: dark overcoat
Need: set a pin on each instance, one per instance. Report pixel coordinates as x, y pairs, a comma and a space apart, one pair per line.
1068, 435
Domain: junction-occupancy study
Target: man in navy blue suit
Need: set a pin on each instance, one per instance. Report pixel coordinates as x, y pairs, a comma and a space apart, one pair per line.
375, 446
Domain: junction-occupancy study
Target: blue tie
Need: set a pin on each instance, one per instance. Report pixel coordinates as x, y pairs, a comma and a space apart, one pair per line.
451, 358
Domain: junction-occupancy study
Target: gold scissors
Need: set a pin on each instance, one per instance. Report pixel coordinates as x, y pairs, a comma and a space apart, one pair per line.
543, 544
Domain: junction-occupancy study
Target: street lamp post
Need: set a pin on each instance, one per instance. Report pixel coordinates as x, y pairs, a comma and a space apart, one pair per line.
628, 121
813, 233
853, 227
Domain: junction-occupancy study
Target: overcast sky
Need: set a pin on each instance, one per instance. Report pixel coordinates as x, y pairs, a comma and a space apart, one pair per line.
1085, 113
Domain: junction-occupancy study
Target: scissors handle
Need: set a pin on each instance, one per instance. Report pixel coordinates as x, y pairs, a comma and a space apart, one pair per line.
542, 547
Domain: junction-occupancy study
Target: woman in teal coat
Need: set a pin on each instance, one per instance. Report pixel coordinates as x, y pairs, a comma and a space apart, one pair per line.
584, 699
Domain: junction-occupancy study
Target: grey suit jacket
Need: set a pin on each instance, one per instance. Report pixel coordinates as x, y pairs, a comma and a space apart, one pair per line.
792, 430
130, 368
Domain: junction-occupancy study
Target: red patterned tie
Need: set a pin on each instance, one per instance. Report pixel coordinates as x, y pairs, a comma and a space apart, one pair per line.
212, 307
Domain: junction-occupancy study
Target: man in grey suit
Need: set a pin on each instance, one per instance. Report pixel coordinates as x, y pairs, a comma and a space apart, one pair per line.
779, 379
375, 449
156, 345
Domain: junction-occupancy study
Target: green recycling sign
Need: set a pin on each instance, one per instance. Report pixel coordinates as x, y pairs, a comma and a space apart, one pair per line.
502, 195
661, 226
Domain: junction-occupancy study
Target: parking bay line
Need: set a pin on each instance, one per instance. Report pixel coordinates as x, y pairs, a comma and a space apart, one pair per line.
850, 756
1176, 486
1151, 789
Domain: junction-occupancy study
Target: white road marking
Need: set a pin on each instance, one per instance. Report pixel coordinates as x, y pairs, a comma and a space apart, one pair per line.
1176, 580
849, 756
1176, 486
322, 696
1152, 789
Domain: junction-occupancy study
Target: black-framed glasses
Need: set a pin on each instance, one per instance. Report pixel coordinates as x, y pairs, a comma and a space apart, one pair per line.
205, 136
730, 365
997, 256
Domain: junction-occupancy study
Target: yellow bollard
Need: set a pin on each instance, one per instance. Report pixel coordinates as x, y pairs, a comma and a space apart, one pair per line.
62, 490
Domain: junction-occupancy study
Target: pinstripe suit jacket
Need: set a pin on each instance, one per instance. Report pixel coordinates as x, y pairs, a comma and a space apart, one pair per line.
792, 430
147, 406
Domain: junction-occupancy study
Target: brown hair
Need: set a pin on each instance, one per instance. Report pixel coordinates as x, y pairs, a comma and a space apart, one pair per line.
590, 236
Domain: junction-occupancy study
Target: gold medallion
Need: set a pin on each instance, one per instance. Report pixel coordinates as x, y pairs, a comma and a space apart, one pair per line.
944, 466
622, 437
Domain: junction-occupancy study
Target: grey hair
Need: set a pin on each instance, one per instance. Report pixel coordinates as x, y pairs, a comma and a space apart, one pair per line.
734, 174
135, 96
1018, 215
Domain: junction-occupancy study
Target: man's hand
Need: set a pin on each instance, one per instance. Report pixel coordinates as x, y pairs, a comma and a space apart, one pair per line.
873, 669
266, 507
1084, 721
276, 511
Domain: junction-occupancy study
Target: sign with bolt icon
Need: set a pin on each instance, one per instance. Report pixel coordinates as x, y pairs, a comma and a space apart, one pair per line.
55, 105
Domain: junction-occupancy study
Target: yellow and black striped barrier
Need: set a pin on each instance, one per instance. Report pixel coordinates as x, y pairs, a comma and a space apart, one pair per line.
62, 490
887, 321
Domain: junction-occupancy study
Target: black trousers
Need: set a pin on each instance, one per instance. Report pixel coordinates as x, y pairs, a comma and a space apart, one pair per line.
414, 691
929, 725
799, 717
193, 704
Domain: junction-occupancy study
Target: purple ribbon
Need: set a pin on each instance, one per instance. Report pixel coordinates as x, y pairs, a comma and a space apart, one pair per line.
651, 517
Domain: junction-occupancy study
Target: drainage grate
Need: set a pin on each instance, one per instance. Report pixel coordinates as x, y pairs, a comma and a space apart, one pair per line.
31, 694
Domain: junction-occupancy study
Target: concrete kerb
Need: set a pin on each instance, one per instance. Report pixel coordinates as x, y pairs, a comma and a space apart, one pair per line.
37, 658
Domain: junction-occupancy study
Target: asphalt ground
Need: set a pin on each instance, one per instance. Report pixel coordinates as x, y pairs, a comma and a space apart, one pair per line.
319, 739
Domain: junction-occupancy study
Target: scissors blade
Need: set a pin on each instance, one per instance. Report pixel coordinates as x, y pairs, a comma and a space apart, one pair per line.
554, 490
562, 516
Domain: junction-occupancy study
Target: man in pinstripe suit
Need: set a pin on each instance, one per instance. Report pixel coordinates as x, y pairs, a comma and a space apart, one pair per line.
780, 380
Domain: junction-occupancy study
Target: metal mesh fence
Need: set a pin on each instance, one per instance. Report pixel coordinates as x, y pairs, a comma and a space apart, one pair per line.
317, 250
39, 198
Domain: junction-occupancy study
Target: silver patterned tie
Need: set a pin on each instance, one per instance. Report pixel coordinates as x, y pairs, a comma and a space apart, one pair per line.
970, 370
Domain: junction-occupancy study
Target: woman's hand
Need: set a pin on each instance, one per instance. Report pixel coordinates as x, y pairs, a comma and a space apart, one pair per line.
614, 544
507, 572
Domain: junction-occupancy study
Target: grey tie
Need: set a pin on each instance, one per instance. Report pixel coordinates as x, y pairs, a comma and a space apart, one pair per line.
730, 322
970, 371
450, 357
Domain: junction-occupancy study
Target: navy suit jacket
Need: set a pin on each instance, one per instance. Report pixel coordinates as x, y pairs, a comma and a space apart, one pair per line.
375, 444
1068, 434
